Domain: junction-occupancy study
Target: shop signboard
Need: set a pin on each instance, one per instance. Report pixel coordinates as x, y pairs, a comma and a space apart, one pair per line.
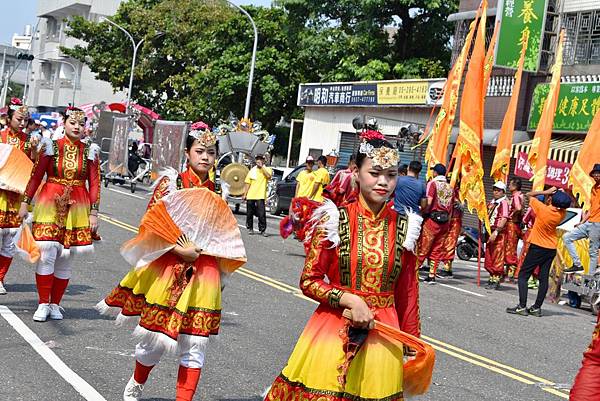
578, 103
557, 173
388, 93
519, 18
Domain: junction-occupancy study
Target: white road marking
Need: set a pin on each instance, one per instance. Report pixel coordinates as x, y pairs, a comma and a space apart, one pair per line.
461, 290
126, 193
80, 385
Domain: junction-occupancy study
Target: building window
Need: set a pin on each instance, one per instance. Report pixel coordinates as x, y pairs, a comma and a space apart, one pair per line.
582, 41
52, 29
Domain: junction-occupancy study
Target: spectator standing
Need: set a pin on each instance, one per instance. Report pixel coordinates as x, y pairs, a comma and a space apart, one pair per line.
542, 249
410, 191
322, 179
255, 195
306, 180
588, 228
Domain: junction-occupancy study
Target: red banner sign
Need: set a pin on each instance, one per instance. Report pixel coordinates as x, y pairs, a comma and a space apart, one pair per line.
557, 173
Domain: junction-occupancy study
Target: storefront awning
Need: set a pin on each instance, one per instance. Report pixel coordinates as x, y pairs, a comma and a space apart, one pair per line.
563, 149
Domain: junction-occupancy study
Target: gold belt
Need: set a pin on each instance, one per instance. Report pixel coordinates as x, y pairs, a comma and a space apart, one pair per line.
66, 182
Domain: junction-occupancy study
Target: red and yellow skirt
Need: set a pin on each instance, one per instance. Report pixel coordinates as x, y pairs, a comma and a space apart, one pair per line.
61, 215
314, 368
10, 202
170, 298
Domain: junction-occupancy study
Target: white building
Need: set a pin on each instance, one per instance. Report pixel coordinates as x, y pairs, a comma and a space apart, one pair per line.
53, 74
22, 41
330, 108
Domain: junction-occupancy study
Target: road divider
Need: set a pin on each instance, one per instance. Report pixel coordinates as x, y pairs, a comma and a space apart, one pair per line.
448, 349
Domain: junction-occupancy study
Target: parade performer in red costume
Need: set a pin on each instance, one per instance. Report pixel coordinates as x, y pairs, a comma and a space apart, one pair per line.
513, 227
451, 238
495, 246
355, 261
65, 212
176, 292
437, 222
587, 382
10, 221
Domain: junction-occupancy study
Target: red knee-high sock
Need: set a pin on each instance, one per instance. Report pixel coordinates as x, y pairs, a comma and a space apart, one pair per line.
59, 286
44, 287
4, 265
187, 381
141, 372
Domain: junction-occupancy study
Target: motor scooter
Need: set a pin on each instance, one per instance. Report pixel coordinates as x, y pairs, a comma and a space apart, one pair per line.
467, 244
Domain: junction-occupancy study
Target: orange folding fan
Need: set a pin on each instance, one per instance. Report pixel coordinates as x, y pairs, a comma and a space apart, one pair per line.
418, 371
187, 217
15, 169
27, 246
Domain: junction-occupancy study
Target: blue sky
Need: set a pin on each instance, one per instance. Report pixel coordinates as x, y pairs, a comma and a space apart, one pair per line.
16, 14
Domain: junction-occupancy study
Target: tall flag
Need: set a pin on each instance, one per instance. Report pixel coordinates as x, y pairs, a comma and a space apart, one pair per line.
468, 163
540, 146
489, 58
501, 163
439, 136
579, 179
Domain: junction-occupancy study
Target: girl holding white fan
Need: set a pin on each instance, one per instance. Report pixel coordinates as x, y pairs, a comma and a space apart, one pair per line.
188, 238
14, 174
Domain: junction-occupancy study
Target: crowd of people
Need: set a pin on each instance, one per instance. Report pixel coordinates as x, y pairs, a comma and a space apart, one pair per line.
366, 233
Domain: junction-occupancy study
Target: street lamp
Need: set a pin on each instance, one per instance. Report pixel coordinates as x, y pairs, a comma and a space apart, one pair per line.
251, 78
136, 46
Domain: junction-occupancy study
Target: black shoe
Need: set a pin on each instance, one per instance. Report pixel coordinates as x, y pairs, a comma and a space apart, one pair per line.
490, 284
445, 274
430, 280
533, 311
573, 269
495, 286
264, 234
518, 310
250, 232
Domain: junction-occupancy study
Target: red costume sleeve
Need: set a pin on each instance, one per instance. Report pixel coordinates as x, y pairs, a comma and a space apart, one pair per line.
312, 281
406, 295
94, 183
39, 169
587, 381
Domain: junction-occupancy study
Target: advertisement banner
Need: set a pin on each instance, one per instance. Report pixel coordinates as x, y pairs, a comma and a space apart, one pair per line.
390, 93
577, 106
402, 93
557, 173
520, 18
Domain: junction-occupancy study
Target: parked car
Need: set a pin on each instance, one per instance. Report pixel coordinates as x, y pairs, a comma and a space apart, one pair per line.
285, 190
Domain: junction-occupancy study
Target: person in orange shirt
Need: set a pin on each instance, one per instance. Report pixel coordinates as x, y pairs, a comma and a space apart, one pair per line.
588, 228
542, 249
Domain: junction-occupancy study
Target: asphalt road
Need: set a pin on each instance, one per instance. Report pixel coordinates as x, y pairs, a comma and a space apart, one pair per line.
482, 353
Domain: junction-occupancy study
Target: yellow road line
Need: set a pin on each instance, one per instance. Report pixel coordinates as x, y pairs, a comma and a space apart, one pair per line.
459, 353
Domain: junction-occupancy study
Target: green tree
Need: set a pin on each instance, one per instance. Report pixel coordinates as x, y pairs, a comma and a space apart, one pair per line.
195, 60
381, 38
